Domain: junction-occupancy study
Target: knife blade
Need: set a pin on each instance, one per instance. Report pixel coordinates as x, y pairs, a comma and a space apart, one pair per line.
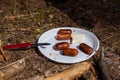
23, 46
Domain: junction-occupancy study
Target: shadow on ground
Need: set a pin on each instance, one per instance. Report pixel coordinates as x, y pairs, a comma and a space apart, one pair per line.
86, 12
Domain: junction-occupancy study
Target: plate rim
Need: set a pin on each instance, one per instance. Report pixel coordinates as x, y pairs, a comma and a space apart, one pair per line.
86, 58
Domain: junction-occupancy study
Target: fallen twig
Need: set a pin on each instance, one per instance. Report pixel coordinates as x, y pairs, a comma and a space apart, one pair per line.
2, 52
17, 29
1, 58
12, 17
93, 70
101, 66
37, 77
110, 37
28, 9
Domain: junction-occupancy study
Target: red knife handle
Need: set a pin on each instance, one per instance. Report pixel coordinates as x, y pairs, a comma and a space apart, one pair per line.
18, 46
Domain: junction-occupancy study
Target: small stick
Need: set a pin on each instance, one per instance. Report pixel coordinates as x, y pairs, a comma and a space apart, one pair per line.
92, 77
101, 66
93, 70
1, 58
2, 52
110, 37
36, 77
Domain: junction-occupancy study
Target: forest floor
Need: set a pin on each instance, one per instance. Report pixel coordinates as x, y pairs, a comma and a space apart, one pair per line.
26, 20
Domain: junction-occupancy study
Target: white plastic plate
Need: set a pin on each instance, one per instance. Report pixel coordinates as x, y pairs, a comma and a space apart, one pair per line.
50, 53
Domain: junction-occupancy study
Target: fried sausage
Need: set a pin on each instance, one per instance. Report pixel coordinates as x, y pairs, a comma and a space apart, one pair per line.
61, 46
85, 48
65, 31
70, 52
63, 36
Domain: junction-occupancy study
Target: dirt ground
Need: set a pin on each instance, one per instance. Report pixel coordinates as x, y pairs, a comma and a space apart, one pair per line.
25, 20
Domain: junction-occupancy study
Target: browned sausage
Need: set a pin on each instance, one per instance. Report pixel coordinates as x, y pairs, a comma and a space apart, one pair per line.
65, 31
63, 36
61, 46
70, 52
85, 48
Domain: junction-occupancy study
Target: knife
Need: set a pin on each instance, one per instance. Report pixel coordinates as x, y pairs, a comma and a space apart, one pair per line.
23, 46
